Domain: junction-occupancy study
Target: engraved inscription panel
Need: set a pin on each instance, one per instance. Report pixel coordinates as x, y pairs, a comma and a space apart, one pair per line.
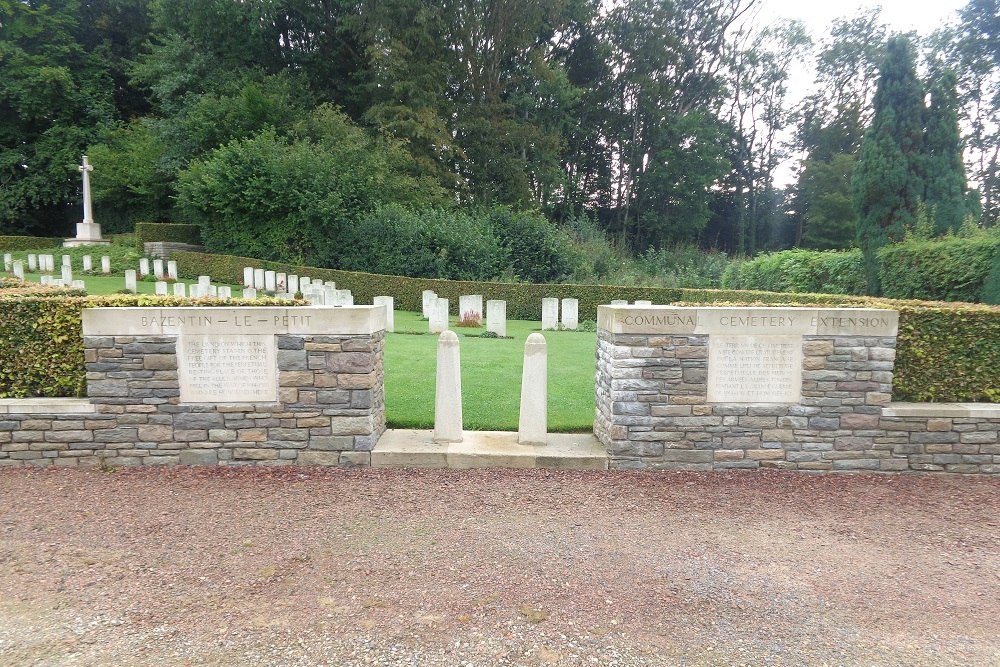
754, 369
220, 368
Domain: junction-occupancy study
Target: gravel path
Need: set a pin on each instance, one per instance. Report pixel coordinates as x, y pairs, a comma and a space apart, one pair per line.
216, 566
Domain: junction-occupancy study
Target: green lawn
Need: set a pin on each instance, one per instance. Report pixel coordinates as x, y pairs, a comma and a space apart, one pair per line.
491, 376
97, 284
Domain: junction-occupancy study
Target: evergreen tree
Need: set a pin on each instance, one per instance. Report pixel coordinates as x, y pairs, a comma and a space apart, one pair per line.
944, 171
887, 185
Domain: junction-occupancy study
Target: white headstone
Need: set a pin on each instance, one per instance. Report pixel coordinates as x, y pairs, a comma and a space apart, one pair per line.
258, 279
205, 281
570, 314
470, 307
331, 297
496, 317
8, 260
196, 291
67, 261
533, 422
33, 263
105, 264
88, 263
79, 284
209, 290
550, 314
281, 282
439, 316
50, 263
619, 302
304, 283
448, 389
388, 302
45, 280
143, 267
67, 274
172, 270
249, 293
330, 283
130, 280
224, 292
270, 281
160, 288
428, 296
346, 298
293, 284
18, 267
643, 302
315, 295
247, 276
158, 268
179, 289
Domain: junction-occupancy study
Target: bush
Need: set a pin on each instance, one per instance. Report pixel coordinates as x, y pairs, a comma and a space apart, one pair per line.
538, 251
948, 269
817, 271
8, 243
150, 232
991, 286
41, 339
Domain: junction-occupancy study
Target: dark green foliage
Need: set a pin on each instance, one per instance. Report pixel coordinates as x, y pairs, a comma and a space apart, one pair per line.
27, 242
944, 171
950, 269
991, 286
829, 221
536, 251
887, 184
832, 272
147, 232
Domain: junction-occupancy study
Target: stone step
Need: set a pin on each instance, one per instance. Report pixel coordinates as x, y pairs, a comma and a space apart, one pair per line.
403, 448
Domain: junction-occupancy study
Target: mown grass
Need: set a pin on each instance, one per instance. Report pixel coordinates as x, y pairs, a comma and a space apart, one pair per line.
491, 376
102, 285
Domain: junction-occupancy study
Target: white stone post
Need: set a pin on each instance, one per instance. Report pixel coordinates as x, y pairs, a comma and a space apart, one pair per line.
130, 280
105, 264
533, 423
570, 314
88, 263
448, 390
179, 289
18, 267
439, 316
88, 212
172, 270
389, 304
496, 317
143, 267
428, 297
550, 314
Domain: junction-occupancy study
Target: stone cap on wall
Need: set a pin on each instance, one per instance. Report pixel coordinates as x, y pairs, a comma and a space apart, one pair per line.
747, 320
259, 320
46, 406
959, 410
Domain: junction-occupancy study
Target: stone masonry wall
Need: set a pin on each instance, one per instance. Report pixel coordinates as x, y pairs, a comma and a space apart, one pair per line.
330, 410
652, 413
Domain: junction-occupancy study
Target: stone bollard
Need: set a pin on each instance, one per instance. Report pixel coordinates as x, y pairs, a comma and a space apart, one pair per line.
448, 390
533, 423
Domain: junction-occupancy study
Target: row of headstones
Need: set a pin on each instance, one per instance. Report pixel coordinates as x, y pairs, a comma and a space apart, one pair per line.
46, 264
470, 311
315, 291
532, 426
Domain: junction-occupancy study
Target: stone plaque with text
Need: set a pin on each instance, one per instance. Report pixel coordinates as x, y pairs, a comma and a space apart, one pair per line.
227, 368
754, 369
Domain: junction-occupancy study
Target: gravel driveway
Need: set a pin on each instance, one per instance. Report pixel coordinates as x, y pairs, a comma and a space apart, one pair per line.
296, 566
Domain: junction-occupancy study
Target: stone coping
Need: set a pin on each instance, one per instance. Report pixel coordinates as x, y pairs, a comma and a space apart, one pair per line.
686, 320
50, 406
968, 410
245, 320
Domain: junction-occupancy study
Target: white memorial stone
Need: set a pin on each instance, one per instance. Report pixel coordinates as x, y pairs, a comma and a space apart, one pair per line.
48, 263
172, 270
281, 282
88, 263
247, 276
428, 296
79, 284
224, 292
45, 280
258, 278
205, 281
209, 290
160, 288
754, 369
130, 280
496, 317
249, 293
67, 261
304, 283
439, 316
105, 264
346, 298
533, 421
270, 281
643, 303
143, 267
8, 260
196, 291
32, 263
293, 284
67, 274
331, 296
550, 314
158, 268
330, 283
87, 232
179, 289
18, 267
470, 307
448, 389
389, 303
570, 314
227, 368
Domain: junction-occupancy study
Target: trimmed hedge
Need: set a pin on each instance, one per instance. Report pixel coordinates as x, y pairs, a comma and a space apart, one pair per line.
149, 232
818, 271
946, 351
41, 337
28, 242
948, 269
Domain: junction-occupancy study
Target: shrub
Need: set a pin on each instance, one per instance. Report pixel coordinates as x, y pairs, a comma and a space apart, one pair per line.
948, 269
991, 286
818, 271
150, 232
8, 243
538, 251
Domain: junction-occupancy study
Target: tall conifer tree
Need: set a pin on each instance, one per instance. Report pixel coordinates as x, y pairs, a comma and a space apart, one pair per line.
944, 171
887, 184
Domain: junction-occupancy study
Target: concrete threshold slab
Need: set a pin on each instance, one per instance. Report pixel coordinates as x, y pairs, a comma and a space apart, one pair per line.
49, 406
403, 448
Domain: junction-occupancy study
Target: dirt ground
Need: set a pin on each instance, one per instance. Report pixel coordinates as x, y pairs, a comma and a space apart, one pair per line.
215, 566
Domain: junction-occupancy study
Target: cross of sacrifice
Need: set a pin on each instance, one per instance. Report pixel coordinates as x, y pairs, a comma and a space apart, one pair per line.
85, 169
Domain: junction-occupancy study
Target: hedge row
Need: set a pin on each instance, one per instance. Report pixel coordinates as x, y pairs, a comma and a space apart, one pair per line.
28, 242
41, 338
948, 269
946, 351
150, 232
825, 271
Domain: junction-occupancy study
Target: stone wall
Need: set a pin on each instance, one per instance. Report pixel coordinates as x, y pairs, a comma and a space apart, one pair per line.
654, 409
328, 407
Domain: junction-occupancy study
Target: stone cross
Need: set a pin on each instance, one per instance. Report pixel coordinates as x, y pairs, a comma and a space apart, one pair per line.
85, 169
